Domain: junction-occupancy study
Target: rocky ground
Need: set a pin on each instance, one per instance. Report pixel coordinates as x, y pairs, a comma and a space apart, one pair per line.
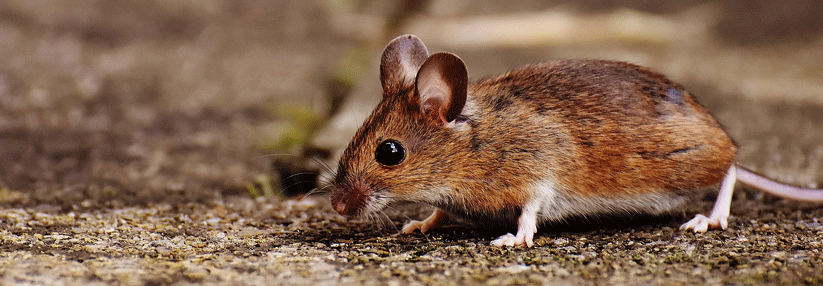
138, 140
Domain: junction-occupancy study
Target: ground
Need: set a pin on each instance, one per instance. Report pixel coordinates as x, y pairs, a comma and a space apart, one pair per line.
134, 136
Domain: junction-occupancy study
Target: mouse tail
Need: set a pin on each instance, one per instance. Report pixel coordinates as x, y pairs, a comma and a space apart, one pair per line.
779, 189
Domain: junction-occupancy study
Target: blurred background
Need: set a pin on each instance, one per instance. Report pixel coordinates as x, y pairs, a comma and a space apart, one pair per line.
130, 102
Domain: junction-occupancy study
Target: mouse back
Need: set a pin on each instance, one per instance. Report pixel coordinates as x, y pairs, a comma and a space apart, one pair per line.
626, 129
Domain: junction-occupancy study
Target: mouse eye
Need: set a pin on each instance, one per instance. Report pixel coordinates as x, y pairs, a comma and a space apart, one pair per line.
390, 153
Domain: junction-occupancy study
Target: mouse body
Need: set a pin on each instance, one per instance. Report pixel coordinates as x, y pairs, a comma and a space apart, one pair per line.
537, 144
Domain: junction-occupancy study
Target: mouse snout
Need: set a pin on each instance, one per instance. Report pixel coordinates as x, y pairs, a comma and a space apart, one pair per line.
348, 201
340, 207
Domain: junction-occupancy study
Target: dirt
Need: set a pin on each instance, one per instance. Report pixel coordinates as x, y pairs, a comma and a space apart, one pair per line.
133, 137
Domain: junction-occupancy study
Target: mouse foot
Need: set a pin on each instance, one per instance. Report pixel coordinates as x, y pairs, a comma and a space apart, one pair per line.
526, 227
719, 217
411, 226
512, 240
701, 223
437, 219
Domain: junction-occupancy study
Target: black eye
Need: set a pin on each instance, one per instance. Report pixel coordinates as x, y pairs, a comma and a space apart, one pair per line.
390, 153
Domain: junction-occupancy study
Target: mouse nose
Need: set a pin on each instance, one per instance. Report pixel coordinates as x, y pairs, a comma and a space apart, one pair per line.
340, 207
348, 200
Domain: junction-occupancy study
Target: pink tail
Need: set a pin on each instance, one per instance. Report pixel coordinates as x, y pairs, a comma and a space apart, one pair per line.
778, 189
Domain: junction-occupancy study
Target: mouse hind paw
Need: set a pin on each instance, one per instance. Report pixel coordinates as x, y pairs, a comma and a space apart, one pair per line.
719, 217
701, 223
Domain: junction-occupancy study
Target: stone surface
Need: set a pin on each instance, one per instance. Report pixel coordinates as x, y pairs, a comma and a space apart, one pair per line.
129, 132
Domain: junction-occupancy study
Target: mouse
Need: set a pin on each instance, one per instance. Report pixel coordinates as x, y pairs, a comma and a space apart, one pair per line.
537, 144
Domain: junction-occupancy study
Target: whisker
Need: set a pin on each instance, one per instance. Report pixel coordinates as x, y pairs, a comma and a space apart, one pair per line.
274, 155
325, 179
322, 164
372, 218
315, 191
398, 211
296, 185
389, 220
325, 206
299, 174
379, 220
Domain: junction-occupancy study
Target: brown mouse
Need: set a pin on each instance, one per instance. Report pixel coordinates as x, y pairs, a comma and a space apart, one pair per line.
537, 144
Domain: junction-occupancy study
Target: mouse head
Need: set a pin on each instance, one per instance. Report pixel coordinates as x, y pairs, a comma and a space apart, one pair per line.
404, 149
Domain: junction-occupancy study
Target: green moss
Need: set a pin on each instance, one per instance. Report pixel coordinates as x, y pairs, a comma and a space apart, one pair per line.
676, 257
262, 186
423, 250
352, 65
303, 123
531, 260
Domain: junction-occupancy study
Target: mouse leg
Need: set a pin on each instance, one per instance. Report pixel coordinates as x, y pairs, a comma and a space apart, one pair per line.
526, 227
720, 212
437, 219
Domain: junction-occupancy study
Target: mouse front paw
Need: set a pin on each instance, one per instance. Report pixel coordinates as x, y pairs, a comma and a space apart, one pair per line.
411, 226
701, 223
435, 220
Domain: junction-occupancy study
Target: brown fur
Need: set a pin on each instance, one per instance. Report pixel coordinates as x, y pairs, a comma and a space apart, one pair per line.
626, 134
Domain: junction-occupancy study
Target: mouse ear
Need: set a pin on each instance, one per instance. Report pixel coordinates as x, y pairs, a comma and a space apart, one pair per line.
442, 87
401, 59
